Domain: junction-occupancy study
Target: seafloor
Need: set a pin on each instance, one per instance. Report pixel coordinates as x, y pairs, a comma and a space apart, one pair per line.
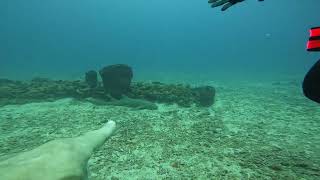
253, 131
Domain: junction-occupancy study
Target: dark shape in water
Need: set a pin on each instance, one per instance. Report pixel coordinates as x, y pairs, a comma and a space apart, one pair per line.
116, 79
311, 83
92, 79
205, 95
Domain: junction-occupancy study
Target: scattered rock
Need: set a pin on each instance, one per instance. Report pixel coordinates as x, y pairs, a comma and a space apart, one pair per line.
41, 89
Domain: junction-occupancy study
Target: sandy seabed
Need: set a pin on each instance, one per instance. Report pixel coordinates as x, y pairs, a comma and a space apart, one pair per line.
253, 131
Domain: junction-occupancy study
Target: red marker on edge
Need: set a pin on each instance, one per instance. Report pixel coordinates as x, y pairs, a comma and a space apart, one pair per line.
314, 40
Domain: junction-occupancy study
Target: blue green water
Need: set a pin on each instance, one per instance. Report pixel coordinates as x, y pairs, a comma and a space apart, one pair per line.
63, 39
265, 130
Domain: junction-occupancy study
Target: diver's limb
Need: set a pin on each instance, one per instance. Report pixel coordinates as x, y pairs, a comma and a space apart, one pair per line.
311, 83
226, 6
64, 159
94, 139
216, 3
224, 3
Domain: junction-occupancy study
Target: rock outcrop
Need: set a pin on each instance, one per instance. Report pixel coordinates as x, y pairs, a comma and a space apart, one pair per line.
116, 79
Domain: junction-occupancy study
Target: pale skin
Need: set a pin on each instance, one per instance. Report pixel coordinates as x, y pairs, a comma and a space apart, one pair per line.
63, 159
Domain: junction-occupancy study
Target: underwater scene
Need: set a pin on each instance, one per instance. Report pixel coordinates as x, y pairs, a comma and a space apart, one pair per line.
159, 89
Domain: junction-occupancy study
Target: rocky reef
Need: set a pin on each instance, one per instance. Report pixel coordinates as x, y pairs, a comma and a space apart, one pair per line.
116, 84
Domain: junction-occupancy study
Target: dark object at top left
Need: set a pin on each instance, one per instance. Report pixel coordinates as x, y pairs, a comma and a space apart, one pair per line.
92, 79
116, 79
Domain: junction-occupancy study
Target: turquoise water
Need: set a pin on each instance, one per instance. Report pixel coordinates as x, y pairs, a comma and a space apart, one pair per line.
260, 125
63, 39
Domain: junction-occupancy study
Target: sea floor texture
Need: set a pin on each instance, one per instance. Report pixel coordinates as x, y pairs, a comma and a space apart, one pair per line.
253, 131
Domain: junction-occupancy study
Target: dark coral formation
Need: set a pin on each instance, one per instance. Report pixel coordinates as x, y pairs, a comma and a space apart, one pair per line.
116, 79
91, 79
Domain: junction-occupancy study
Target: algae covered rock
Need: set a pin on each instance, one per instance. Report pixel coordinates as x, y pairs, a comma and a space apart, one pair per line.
116, 85
91, 79
163, 93
116, 79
